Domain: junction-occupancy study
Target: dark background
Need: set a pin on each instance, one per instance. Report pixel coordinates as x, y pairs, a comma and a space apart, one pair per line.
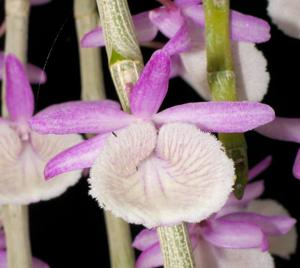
69, 231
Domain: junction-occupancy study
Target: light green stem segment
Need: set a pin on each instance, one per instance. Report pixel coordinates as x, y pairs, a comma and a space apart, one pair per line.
92, 83
119, 239
221, 79
15, 217
176, 246
125, 63
124, 55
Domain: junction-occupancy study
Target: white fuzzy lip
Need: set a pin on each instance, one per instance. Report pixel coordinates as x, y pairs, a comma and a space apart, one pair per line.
285, 14
22, 165
179, 174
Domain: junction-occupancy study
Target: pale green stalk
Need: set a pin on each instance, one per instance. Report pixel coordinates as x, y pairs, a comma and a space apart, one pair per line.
221, 79
125, 62
92, 83
15, 217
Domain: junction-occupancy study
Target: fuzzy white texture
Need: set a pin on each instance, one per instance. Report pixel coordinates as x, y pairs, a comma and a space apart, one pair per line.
178, 174
285, 14
283, 245
22, 165
250, 67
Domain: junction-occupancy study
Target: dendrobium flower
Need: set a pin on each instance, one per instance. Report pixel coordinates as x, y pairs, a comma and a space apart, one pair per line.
35, 74
235, 236
24, 152
251, 73
36, 263
285, 14
152, 168
284, 129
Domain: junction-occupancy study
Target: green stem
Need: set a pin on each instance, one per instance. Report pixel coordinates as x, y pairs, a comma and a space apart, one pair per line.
15, 217
125, 63
221, 80
92, 82
176, 246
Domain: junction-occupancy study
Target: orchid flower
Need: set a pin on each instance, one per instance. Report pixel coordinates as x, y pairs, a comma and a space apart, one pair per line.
285, 14
35, 74
251, 74
36, 263
24, 152
284, 129
235, 236
147, 167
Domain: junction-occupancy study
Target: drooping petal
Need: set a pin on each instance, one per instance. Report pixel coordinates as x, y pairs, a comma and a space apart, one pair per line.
285, 245
231, 234
245, 258
151, 257
187, 178
39, 2
180, 42
22, 165
145, 239
219, 116
167, 20
250, 68
244, 28
296, 166
144, 29
35, 74
19, 97
260, 167
285, 14
285, 129
81, 117
150, 90
80, 156
270, 225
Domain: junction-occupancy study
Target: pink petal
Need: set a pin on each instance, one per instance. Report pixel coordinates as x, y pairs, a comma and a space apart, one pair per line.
144, 28
39, 2
270, 225
296, 167
150, 90
176, 66
35, 74
81, 117
183, 3
244, 28
80, 156
145, 239
259, 168
219, 116
180, 42
252, 191
2, 239
152, 257
231, 234
285, 129
19, 97
167, 20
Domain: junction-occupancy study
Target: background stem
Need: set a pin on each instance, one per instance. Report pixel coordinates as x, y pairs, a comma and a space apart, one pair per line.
176, 247
125, 63
15, 217
92, 83
221, 80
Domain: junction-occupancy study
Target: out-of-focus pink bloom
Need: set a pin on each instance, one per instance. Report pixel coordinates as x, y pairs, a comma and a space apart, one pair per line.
285, 14
235, 236
23, 152
35, 75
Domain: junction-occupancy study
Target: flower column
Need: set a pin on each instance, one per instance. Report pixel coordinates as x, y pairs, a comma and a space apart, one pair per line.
221, 79
16, 216
125, 63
